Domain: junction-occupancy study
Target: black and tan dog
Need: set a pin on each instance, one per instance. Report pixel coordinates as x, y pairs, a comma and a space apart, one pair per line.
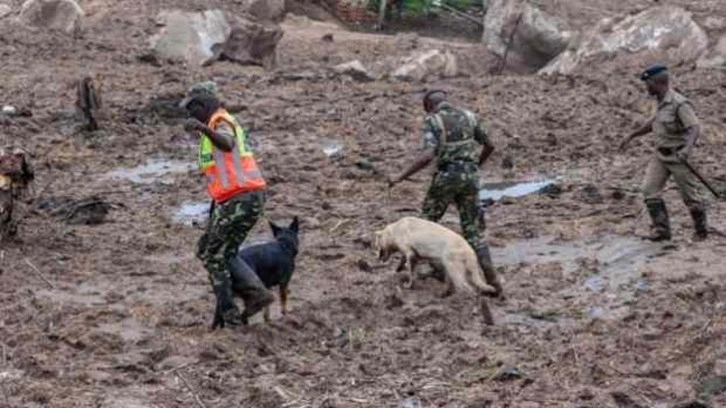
273, 262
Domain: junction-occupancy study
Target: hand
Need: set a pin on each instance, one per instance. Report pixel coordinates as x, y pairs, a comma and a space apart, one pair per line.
684, 153
193, 125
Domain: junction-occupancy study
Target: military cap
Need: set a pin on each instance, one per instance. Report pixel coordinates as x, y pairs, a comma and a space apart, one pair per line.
201, 88
652, 71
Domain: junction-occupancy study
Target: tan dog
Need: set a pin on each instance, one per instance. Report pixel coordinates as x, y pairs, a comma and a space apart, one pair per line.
418, 239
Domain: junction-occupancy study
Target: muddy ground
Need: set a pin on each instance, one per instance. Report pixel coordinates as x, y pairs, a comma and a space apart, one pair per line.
117, 314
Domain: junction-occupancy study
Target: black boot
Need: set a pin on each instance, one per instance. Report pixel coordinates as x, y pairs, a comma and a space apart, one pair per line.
485, 262
700, 224
248, 285
226, 311
659, 215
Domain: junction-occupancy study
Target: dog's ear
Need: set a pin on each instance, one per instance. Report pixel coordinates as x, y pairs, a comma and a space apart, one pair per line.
295, 225
275, 229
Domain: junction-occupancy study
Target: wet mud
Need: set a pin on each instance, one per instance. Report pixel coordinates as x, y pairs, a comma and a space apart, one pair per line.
117, 313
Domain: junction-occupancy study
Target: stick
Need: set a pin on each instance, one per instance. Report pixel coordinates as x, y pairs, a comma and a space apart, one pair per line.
461, 14
35, 268
191, 390
337, 225
171, 370
700, 178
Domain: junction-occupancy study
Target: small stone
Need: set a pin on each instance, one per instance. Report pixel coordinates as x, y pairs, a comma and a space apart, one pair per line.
328, 38
508, 162
355, 70
5, 10
590, 194
509, 374
364, 266
720, 368
624, 400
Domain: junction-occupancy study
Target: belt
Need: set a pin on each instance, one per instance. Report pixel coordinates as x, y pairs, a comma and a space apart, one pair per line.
458, 166
669, 151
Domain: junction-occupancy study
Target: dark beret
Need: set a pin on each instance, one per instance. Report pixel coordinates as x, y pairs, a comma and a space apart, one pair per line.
652, 71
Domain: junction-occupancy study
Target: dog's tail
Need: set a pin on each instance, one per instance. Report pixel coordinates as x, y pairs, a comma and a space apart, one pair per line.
475, 277
457, 273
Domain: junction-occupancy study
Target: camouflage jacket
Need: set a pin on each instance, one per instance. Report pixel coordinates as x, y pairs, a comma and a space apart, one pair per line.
455, 134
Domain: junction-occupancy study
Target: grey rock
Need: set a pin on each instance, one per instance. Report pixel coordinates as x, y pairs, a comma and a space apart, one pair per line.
538, 37
667, 30
58, 15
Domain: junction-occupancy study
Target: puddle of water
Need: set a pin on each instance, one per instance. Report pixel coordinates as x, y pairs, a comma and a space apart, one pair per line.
498, 190
149, 172
190, 213
618, 257
11, 375
130, 330
618, 277
594, 283
332, 149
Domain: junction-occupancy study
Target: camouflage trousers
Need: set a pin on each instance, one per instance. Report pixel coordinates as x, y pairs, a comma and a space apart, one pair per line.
462, 189
228, 227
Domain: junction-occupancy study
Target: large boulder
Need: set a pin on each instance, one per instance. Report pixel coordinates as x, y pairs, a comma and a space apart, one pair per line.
668, 31
265, 10
532, 36
421, 65
204, 37
716, 57
195, 38
61, 15
253, 43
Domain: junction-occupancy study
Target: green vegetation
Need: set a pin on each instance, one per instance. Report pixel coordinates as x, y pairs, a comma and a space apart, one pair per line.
423, 7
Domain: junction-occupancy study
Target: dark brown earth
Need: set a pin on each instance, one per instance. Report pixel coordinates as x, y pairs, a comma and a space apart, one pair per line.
593, 316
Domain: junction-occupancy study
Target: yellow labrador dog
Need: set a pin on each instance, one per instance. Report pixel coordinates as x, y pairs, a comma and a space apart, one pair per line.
421, 240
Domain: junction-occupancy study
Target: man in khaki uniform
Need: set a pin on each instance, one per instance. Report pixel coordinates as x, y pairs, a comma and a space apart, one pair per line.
676, 128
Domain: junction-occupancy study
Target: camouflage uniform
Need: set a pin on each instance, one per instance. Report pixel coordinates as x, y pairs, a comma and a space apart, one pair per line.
228, 226
456, 134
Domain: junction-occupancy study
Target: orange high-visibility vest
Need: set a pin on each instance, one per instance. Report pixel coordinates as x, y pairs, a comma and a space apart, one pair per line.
228, 173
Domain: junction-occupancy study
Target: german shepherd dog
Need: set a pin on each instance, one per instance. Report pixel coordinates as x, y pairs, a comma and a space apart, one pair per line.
274, 262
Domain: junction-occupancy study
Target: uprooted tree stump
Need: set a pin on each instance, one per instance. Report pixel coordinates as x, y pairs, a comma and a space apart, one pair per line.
86, 211
16, 174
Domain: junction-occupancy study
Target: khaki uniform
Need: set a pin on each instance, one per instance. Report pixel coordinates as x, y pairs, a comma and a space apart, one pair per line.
674, 115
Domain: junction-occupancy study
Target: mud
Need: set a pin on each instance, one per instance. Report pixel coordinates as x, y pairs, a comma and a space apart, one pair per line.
593, 317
